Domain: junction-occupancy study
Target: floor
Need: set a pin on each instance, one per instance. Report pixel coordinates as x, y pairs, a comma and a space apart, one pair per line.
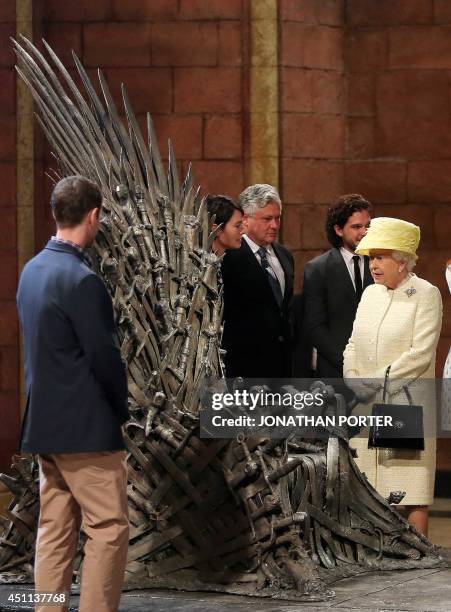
412, 590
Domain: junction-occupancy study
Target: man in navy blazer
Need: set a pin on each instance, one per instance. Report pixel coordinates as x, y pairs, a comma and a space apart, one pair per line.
76, 403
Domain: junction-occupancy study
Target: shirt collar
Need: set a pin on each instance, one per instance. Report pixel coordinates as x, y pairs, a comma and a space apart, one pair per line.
254, 246
348, 255
402, 284
69, 242
87, 259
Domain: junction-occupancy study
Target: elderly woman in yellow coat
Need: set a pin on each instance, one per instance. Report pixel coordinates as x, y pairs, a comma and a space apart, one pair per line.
397, 324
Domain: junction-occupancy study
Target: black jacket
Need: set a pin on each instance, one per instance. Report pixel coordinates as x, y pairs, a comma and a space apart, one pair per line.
257, 334
330, 305
75, 378
302, 347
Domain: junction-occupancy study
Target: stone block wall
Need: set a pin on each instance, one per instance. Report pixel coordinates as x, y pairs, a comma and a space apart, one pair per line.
9, 332
312, 120
398, 139
181, 60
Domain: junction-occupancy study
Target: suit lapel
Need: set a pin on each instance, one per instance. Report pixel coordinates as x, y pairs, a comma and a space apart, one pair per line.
342, 274
257, 271
252, 260
287, 272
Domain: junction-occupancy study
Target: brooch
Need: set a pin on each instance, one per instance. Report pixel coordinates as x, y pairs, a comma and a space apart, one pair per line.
410, 291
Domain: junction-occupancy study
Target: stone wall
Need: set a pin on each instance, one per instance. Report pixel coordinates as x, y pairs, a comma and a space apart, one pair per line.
398, 147
313, 120
9, 333
183, 61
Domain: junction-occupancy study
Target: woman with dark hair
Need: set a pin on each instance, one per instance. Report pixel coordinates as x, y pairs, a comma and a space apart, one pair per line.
227, 220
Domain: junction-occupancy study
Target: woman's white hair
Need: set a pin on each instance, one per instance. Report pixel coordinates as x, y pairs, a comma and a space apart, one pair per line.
409, 260
258, 196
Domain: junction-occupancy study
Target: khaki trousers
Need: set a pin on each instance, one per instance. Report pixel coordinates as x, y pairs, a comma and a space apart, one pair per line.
88, 488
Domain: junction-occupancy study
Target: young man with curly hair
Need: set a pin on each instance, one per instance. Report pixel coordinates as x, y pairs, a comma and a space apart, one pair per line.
334, 282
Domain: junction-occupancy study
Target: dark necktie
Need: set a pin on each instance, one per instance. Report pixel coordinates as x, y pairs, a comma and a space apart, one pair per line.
274, 283
357, 277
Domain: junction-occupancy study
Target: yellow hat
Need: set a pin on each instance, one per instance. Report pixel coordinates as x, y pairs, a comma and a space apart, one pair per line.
390, 234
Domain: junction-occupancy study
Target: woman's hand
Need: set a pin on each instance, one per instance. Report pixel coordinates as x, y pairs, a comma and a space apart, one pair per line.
363, 391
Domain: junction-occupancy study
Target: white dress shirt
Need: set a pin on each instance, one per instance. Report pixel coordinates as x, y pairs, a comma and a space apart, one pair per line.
347, 256
274, 263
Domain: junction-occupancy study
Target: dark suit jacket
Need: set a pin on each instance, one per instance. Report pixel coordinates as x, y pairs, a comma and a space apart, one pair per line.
302, 347
330, 305
257, 334
75, 378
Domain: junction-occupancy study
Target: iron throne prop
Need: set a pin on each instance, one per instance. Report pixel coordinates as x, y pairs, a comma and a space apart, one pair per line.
277, 518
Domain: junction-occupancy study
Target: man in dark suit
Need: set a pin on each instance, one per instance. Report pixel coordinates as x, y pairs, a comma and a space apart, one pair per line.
76, 403
333, 284
258, 287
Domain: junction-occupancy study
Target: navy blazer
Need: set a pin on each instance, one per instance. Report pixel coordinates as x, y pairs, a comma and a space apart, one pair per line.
75, 378
257, 332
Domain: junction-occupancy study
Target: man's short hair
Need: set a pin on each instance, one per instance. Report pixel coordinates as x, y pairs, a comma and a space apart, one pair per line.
339, 213
222, 208
258, 196
72, 198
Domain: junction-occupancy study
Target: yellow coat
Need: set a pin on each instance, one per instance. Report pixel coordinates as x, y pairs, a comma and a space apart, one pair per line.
400, 328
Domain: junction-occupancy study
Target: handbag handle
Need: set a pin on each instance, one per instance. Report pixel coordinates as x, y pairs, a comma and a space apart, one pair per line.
407, 392
387, 372
405, 388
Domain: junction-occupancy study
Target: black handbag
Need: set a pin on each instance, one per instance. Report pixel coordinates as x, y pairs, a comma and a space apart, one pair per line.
406, 431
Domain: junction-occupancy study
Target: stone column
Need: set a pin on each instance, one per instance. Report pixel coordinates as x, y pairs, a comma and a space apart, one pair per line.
264, 93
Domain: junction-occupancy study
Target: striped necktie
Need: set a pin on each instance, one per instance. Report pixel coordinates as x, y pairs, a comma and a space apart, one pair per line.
270, 275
